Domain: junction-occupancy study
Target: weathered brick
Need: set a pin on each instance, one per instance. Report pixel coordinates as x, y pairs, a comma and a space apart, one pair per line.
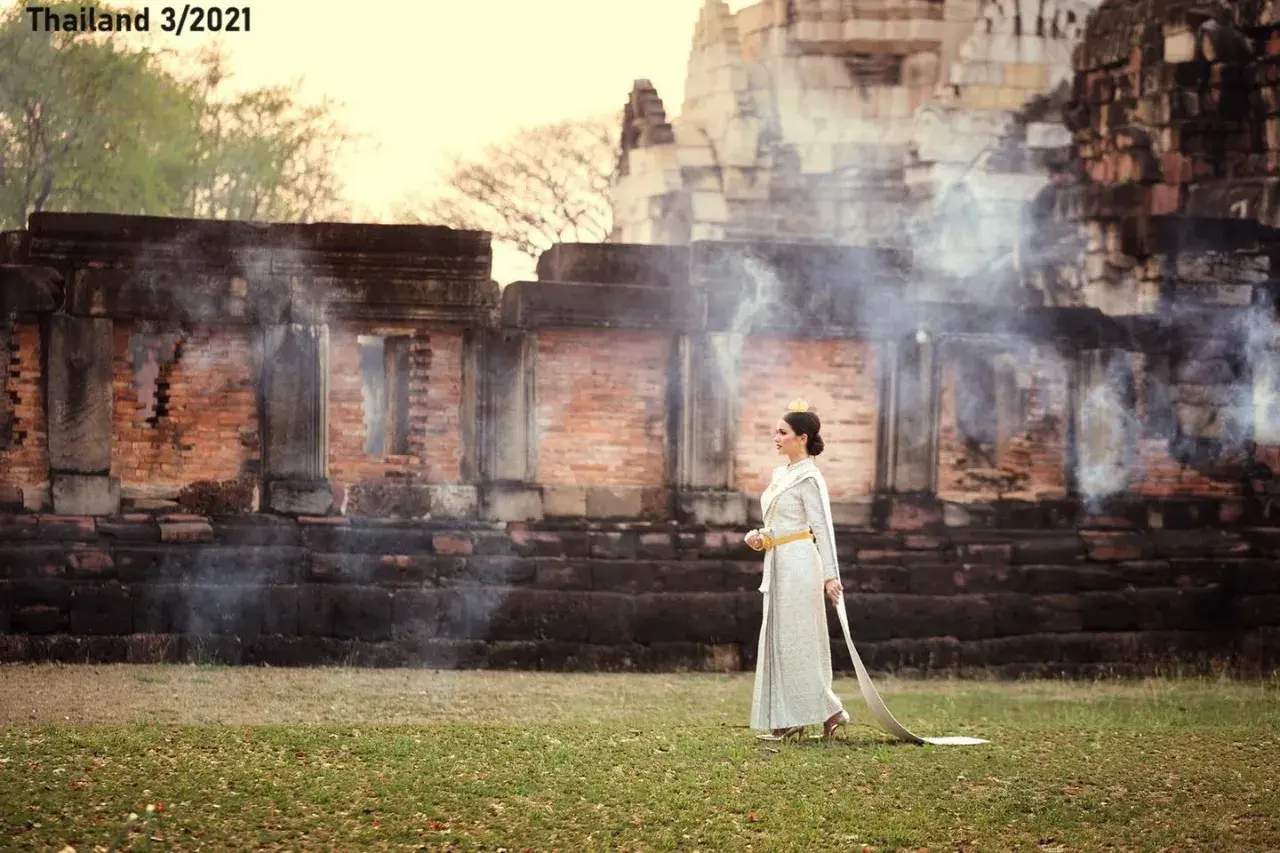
1115, 547
452, 544
67, 528
90, 563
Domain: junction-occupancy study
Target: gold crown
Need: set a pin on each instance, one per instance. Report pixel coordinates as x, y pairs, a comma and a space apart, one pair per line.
797, 405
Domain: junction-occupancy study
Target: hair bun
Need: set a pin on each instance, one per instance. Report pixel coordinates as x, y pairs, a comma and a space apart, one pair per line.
816, 445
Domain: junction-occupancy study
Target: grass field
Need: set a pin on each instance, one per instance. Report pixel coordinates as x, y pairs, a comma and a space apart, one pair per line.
344, 759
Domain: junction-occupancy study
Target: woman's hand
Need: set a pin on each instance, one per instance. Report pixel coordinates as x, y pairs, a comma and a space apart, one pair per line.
834, 590
754, 540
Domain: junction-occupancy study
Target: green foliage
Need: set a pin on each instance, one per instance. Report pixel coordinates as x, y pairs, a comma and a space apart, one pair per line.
92, 122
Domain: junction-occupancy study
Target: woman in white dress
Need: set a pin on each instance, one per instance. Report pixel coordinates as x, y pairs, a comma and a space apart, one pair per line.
793, 662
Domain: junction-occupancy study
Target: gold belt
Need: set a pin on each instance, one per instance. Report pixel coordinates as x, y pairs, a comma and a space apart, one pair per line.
769, 542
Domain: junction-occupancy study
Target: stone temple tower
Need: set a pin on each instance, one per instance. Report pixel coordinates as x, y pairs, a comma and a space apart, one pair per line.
865, 122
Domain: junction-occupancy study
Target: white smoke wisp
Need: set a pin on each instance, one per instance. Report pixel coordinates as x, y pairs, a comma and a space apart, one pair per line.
761, 289
1108, 428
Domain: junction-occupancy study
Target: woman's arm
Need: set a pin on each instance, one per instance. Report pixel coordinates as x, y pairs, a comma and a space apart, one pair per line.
815, 516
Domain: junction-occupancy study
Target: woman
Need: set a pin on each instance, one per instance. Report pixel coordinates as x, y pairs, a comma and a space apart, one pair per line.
793, 663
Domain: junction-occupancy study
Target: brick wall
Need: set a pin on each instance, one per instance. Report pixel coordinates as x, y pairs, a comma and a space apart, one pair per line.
434, 386
191, 415
24, 458
840, 381
1029, 461
601, 407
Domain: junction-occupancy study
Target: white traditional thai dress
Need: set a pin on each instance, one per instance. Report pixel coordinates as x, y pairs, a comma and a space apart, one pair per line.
793, 661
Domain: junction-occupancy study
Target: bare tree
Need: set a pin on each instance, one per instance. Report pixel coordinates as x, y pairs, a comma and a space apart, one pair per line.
544, 185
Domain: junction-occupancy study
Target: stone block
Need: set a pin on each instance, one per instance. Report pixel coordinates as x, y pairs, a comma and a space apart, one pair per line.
299, 497
709, 207
625, 577
656, 546
883, 617
1058, 548
454, 501
383, 499
381, 540
83, 494
692, 576
186, 531
715, 508
426, 614
564, 501
687, 617
512, 502
851, 513
657, 266
559, 574
615, 502
612, 546
914, 514
360, 613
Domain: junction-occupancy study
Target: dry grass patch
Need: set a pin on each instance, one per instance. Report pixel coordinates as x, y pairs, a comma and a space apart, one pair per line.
264, 759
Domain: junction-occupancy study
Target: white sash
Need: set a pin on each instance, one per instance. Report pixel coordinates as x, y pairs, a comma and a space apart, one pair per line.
784, 479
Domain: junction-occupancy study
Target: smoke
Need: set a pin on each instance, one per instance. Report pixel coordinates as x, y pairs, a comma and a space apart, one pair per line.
856, 160
761, 290
1108, 427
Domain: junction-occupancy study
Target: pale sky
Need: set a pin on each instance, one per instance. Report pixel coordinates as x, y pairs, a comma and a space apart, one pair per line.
421, 79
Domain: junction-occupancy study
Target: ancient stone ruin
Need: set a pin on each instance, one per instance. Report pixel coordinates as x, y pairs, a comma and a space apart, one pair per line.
1034, 310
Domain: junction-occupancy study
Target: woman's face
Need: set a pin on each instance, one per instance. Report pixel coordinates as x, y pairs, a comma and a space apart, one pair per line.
786, 441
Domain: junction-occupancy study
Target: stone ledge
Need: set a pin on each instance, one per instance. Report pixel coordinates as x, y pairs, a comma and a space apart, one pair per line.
1086, 656
547, 304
